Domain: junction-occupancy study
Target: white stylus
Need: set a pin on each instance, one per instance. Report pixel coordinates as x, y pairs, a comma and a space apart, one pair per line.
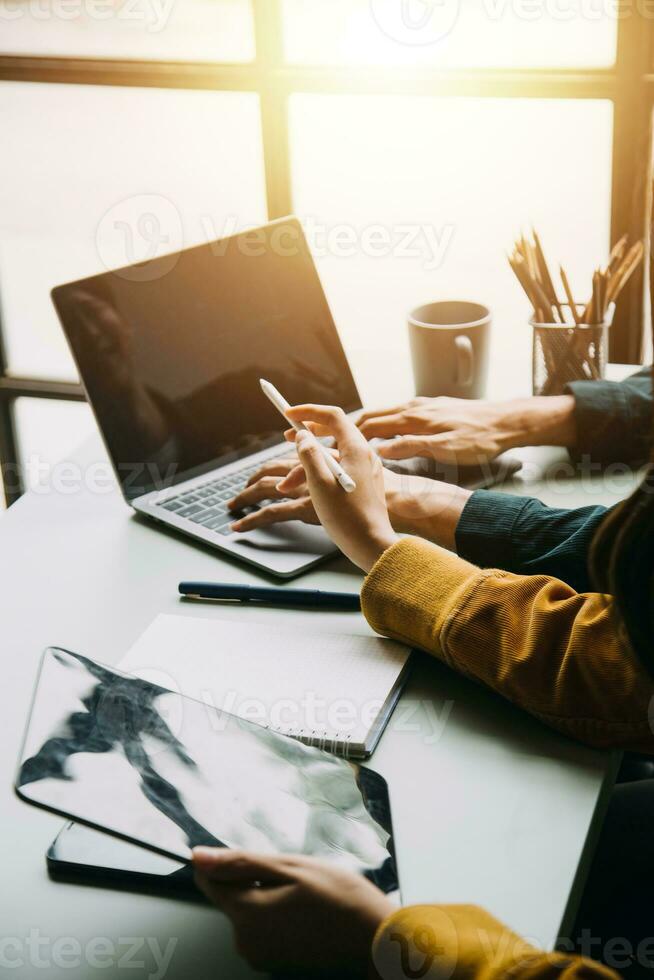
283, 406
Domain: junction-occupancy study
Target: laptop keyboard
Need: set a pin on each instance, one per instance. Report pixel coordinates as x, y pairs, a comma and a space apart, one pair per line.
206, 504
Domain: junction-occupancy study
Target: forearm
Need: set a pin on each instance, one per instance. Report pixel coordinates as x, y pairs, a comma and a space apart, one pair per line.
432, 510
607, 421
523, 535
534, 640
539, 421
464, 942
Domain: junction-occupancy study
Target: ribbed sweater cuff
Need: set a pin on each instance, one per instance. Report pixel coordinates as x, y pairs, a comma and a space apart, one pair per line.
603, 419
484, 534
412, 588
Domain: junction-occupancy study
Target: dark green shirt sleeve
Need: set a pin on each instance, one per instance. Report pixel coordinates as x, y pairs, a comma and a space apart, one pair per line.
523, 535
614, 419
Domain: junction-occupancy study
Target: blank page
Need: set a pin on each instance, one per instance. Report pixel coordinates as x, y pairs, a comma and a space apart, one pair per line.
308, 684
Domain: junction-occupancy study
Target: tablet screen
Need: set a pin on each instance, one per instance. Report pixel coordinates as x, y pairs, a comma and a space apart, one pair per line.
132, 758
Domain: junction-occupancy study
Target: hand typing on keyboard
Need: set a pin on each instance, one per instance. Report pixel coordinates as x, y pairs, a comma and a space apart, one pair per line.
416, 505
271, 506
215, 505
207, 504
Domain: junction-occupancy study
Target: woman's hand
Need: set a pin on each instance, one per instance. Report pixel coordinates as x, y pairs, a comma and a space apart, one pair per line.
292, 912
292, 505
415, 505
468, 432
357, 522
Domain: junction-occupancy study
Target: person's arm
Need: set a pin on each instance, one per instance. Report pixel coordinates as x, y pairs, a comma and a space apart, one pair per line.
464, 431
464, 942
297, 913
604, 421
523, 535
554, 652
492, 530
613, 419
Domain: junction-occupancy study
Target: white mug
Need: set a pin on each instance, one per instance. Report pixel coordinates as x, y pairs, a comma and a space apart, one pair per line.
450, 343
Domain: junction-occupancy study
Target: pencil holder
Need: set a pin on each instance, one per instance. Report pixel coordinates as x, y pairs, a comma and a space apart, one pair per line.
562, 353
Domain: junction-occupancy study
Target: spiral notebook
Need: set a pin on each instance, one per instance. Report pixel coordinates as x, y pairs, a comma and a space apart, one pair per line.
334, 690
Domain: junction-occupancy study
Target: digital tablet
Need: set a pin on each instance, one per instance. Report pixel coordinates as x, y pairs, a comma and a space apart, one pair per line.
81, 854
149, 766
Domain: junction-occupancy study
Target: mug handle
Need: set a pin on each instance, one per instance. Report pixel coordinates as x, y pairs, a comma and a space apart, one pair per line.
465, 361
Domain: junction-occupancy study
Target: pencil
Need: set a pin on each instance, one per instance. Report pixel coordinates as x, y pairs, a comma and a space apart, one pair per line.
617, 252
545, 275
569, 296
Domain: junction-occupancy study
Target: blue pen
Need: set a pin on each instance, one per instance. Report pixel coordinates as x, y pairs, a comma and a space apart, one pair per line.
277, 597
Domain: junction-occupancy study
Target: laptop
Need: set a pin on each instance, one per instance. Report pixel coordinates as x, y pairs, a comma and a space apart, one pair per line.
170, 352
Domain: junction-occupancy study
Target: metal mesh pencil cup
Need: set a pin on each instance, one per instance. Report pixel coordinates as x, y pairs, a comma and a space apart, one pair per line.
565, 352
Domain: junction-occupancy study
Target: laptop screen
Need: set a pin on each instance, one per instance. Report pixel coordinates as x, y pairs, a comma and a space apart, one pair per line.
170, 352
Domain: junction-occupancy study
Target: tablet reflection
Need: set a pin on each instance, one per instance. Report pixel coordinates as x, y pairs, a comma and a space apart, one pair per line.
131, 757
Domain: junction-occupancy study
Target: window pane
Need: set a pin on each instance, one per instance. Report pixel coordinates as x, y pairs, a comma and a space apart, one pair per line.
48, 432
449, 33
200, 30
106, 178
408, 200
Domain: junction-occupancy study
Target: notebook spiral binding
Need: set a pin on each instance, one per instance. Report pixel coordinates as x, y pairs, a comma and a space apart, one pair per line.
334, 743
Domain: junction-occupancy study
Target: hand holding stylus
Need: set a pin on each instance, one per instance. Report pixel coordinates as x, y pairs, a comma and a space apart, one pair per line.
283, 407
357, 522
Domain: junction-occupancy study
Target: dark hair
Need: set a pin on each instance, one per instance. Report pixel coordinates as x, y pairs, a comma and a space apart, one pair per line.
622, 561
622, 554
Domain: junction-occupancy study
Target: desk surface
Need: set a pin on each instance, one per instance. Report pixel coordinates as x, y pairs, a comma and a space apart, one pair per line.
489, 806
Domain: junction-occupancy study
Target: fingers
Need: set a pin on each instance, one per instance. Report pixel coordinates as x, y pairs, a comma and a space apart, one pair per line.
264, 489
313, 462
296, 480
275, 467
318, 430
287, 510
222, 864
387, 426
293, 482
236, 901
404, 447
378, 413
331, 421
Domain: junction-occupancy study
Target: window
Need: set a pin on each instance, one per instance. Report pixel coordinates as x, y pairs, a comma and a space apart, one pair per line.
452, 34
141, 124
428, 223
196, 30
128, 172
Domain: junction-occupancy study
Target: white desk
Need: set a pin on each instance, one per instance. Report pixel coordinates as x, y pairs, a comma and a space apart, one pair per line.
495, 811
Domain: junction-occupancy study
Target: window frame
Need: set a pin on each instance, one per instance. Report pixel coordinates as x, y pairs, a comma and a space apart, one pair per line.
628, 85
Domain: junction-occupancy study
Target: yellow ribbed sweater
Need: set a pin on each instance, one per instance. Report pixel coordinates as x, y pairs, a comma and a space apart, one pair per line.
557, 654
